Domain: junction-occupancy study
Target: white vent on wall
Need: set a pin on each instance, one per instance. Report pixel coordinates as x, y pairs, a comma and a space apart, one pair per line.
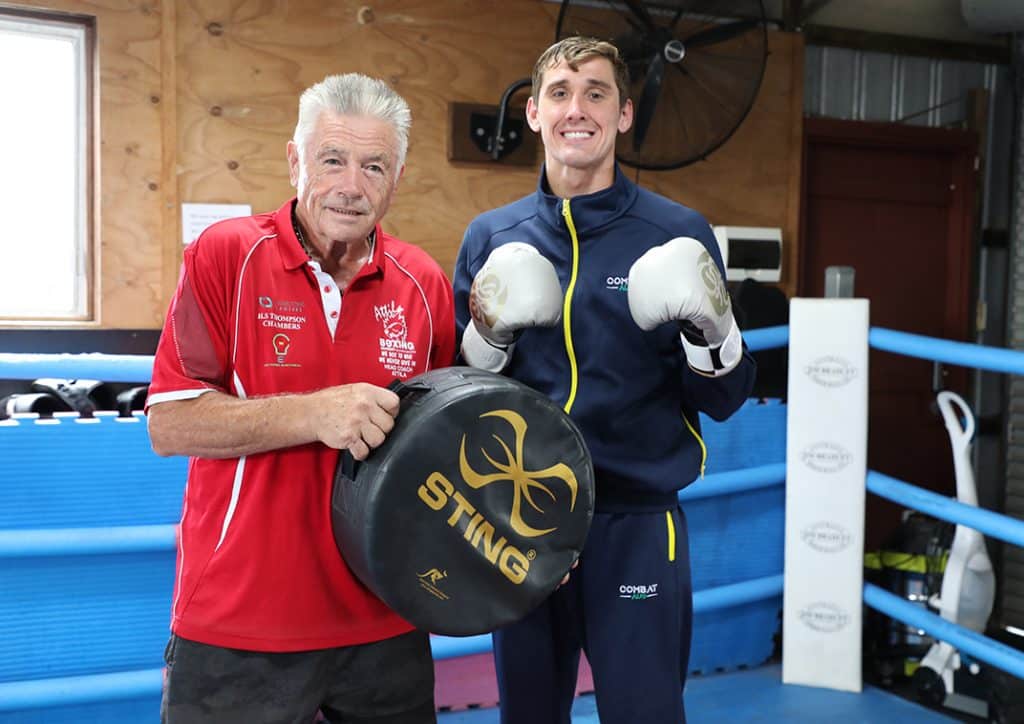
750, 252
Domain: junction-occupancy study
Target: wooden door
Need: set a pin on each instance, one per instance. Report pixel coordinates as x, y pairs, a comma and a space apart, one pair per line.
896, 203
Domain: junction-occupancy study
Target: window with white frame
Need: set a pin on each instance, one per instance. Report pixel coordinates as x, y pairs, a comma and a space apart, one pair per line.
45, 185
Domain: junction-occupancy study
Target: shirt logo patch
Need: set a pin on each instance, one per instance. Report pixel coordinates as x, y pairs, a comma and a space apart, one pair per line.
617, 284
280, 315
397, 352
281, 344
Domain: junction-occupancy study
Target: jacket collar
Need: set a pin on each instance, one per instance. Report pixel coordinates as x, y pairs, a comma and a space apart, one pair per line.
590, 211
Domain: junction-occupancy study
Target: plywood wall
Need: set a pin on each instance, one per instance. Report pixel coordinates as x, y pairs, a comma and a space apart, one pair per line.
197, 99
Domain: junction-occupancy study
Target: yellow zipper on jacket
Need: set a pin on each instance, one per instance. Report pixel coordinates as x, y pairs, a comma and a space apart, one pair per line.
567, 306
671, 536
700, 441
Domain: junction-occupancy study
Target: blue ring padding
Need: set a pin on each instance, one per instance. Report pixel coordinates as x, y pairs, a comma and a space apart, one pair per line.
993, 524
764, 338
66, 691
711, 599
71, 690
970, 642
734, 481
23, 543
965, 354
105, 367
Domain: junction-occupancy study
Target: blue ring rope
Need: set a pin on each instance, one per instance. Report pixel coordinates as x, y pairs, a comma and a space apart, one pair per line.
104, 367
766, 338
139, 368
993, 524
980, 647
734, 481
995, 359
20, 543
24, 543
75, 690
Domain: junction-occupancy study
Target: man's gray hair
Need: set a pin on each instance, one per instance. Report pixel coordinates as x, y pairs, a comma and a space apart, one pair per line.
354, 94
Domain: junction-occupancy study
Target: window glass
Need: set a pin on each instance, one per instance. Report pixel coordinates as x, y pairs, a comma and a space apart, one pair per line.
44, 190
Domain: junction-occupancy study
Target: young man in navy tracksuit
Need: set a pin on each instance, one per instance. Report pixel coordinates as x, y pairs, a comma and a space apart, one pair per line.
610, 299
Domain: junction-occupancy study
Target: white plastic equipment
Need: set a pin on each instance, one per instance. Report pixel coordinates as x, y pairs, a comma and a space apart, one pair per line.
968, 584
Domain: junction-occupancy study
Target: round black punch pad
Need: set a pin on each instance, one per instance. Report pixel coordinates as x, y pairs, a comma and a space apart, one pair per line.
473, 509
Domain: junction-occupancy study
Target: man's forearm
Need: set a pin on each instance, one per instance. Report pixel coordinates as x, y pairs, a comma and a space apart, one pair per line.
216, 425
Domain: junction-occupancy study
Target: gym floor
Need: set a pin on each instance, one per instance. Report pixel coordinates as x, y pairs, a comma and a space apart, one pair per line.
757, 695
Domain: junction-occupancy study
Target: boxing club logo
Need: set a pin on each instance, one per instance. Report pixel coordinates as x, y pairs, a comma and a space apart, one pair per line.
437, 491
713, 284
397, 351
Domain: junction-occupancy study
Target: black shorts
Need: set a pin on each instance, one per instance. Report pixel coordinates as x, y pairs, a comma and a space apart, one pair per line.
384, 682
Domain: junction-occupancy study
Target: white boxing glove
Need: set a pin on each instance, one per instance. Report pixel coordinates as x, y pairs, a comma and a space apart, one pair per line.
679, 281
516, 288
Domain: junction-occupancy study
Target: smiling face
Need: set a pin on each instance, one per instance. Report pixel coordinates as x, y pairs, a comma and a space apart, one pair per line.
579, 115
345, 177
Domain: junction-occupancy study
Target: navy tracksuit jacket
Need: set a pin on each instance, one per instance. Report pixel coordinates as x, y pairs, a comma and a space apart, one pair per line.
636, 402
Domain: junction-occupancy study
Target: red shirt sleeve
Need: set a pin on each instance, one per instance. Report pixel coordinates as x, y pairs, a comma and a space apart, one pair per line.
193, 353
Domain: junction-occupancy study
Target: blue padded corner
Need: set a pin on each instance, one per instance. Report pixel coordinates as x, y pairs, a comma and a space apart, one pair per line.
738, 537
76, 473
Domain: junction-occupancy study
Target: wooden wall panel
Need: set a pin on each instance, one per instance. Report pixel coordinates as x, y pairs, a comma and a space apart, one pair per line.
242, 68
237, 68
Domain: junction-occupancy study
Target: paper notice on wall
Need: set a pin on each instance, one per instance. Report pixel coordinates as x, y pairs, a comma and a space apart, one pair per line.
195, 218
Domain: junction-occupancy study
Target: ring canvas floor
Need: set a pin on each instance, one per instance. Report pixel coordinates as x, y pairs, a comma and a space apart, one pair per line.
757, 696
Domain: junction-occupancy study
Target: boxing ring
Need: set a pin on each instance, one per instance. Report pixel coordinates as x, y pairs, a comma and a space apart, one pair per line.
126, 546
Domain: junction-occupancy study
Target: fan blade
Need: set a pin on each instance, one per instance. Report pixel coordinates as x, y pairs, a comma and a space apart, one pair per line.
720, 33
640, 10
648, 99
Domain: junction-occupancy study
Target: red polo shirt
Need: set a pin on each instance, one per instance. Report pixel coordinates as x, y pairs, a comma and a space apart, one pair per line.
258, 568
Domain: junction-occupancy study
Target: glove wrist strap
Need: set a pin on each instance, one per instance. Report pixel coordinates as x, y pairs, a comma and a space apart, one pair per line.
718, 360
482, 353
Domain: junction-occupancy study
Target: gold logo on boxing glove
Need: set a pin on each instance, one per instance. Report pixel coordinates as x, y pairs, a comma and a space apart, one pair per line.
487, 298
713, 283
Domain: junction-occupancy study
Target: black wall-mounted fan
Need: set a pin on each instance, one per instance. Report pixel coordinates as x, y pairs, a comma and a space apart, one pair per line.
695, 69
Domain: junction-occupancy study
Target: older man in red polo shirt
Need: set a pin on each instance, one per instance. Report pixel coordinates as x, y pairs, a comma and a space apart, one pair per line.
284, 330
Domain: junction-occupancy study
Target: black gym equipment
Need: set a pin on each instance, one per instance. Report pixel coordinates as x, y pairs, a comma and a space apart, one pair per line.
473, 509
40, 403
